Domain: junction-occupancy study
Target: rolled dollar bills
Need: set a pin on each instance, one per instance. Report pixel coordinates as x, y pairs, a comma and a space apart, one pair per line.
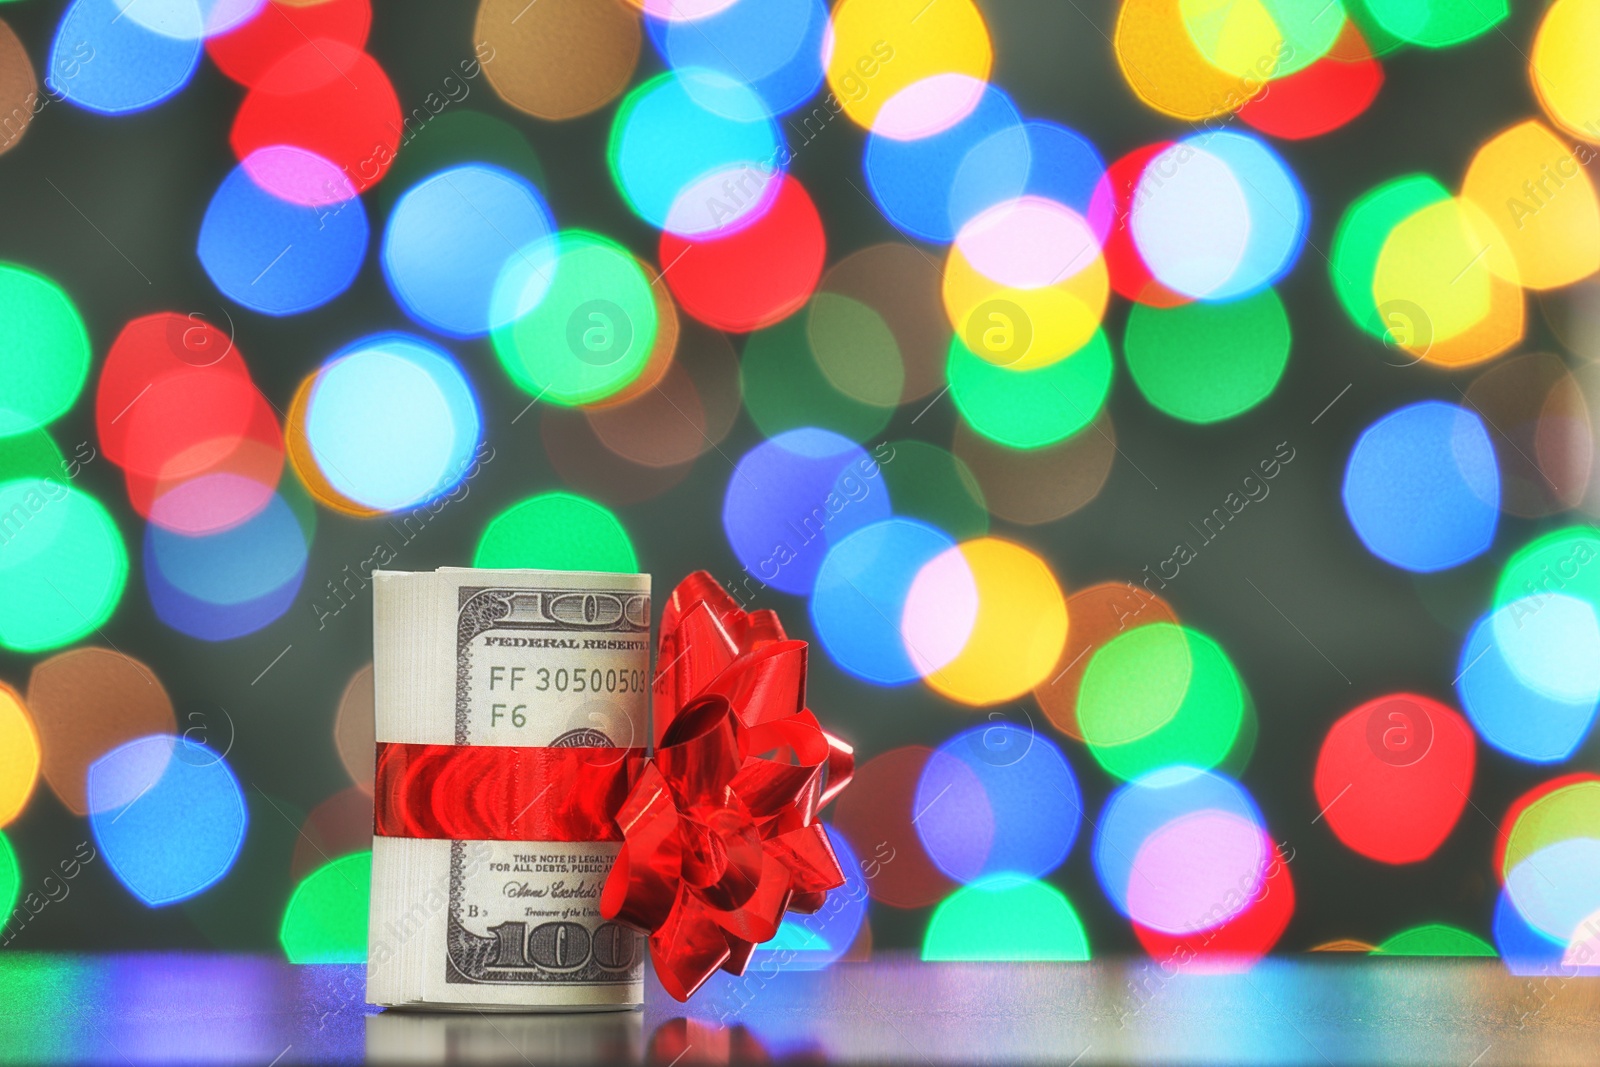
508, 704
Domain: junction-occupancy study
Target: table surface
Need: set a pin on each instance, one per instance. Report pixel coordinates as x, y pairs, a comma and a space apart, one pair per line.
199, 1008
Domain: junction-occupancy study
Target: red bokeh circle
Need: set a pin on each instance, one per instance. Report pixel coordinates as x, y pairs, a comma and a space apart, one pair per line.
1322, 97
756, 275
176, 409
248, 51
331, 99
1393, 776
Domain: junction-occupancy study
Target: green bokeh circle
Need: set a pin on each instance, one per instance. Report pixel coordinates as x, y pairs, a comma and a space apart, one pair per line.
1035, 407
32, 454
326, 918
1564, 562
10, 877
855, 349
44, 350
1308, 30
1434, 939
590, 333
1438, 23
1157, 695
1007, 918
63, 564
1205, 362
558, 532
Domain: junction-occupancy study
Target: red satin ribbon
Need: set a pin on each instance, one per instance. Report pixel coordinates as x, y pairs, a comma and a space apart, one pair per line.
495, 793
720, 835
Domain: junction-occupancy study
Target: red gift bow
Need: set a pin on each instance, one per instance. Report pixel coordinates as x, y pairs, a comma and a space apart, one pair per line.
718, 839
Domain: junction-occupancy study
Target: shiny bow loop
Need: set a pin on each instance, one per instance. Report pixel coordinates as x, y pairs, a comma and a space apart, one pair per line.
703, 630
720, 835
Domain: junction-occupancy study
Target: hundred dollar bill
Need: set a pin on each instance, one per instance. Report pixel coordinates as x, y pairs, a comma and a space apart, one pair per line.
504, 657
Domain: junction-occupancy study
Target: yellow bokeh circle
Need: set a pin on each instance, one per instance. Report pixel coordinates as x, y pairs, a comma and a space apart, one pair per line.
1167, 70
1562, 814
1022, 321
1535, 190
1009, 609
1563, 66
877, 49
19, 755
1238, 37
1445, 285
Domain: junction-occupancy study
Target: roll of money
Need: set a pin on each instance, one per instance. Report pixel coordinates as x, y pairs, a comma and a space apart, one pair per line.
481, 677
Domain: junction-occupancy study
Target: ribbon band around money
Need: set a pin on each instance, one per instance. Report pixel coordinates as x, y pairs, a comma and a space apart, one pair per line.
502, 793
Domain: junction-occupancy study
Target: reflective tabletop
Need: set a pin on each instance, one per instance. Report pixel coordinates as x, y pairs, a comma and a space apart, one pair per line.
197, 1008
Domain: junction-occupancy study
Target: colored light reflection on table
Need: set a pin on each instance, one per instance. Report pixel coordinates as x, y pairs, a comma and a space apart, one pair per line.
160, 1008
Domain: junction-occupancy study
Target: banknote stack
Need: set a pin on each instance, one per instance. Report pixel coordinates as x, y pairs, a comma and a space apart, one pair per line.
500, 660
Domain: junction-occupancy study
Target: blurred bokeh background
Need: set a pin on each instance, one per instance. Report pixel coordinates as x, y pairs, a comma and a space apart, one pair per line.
1077, 578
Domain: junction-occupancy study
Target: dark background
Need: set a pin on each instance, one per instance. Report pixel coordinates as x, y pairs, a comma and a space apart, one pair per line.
144, 181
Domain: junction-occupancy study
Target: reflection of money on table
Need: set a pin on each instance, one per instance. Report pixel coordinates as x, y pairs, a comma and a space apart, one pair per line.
468, 663
406, 1037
